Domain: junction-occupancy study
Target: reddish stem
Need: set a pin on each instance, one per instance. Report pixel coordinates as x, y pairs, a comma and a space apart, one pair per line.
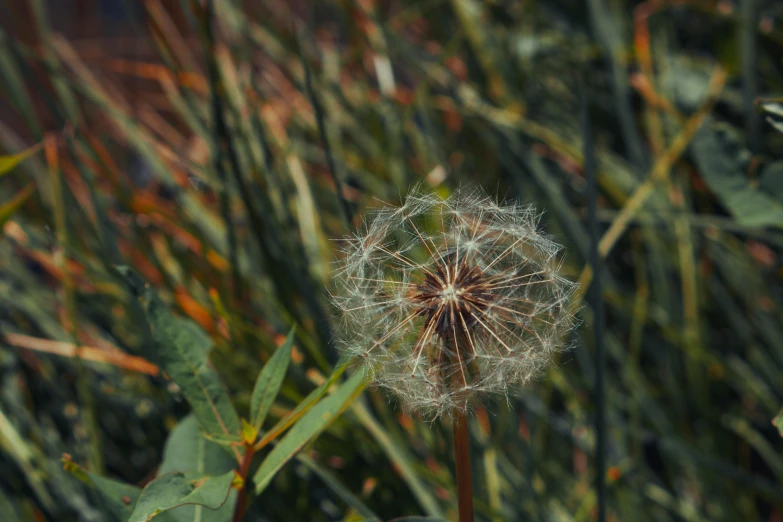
462, 457
244, 469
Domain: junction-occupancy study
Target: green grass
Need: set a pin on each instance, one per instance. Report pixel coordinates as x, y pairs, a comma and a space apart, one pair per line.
242, 242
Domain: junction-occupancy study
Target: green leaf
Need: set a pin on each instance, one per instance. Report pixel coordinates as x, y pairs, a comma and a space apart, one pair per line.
7, 163
308, 402
183, 347
269, 381
183, 351
720, 158
778, 422
116, 498
223, 439
186, 454
771, 179
186, 450
177, 489
10, 207
308, 427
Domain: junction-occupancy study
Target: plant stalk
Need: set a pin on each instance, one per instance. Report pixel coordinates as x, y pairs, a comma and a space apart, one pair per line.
244, 471
453, 349
462, 458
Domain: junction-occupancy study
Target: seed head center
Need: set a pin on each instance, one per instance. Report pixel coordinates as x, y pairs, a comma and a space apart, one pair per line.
450, 293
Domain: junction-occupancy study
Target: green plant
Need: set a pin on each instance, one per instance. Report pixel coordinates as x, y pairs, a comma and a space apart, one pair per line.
206, 469
446, 301
326, 108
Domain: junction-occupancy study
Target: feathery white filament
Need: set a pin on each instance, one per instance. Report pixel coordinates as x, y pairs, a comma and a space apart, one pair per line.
448, 299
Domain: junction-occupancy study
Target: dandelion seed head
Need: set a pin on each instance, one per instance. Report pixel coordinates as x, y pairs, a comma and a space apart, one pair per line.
446, 300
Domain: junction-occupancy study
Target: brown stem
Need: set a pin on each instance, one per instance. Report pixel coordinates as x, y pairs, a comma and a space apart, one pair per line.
462, 457
453, 350
244, 469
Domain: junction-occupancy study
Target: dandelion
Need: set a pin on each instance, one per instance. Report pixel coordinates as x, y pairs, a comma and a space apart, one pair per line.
447, 300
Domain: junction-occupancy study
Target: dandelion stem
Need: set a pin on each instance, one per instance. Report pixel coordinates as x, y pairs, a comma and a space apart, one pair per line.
459, 384
462, 457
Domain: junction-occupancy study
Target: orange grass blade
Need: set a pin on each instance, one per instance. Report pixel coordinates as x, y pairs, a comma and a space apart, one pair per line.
88, 353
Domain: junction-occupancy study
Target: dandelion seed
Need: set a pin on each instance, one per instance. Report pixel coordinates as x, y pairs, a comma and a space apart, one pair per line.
446, 300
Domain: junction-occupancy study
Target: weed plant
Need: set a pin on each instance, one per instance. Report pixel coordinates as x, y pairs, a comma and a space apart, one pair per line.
175, 186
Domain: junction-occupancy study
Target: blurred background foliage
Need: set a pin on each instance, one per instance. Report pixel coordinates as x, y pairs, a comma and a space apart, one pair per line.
207, 161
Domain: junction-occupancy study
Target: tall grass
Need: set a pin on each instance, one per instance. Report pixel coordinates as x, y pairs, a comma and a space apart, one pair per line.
221, 154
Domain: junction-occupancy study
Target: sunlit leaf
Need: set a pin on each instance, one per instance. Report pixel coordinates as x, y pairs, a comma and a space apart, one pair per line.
309, 426
775, 108
775, 114
7, 163
307, 403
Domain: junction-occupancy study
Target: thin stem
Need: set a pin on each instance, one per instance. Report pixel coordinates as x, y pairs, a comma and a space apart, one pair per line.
459, 383
244, 470
462, 458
